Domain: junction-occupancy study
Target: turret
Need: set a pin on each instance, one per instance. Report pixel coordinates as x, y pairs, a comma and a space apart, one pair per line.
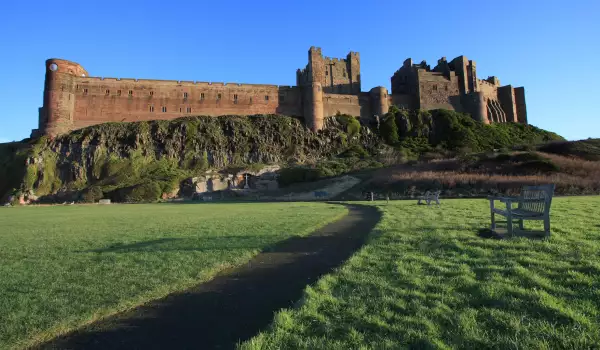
379, 100
313, 106
479, 107
59, 96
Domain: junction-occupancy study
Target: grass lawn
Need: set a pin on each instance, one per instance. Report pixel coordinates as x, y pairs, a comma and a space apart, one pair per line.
63, 266
427, 280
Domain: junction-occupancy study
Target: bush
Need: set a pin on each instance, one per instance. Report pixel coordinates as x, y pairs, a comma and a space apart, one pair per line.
355, 151
503, 157
537, 166
527, 157
389, 129
92, 194
147, 192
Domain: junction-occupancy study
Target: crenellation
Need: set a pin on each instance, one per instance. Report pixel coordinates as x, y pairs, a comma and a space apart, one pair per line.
326, 86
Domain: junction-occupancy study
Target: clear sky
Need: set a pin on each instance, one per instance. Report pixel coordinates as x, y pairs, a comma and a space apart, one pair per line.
550, 47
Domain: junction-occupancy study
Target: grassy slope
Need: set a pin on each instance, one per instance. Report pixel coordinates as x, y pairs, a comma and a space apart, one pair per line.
64, 266
484, 174
426, 279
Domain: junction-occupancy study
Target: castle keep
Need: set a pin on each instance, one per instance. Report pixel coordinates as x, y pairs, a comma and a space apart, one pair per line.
73, 99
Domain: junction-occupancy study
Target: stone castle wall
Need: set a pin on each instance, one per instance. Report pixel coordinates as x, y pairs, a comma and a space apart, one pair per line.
325, 87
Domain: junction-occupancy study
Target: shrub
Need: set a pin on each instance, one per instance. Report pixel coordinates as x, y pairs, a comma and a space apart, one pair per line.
288, 176
146, 192
92, 194
355, 151
537, 166
527, 157
389, 129
503, 157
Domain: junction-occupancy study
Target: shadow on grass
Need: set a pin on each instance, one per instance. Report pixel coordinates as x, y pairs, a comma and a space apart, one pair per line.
235, 305
487, 233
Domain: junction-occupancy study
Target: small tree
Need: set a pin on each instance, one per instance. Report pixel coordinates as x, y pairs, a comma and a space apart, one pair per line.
389, 129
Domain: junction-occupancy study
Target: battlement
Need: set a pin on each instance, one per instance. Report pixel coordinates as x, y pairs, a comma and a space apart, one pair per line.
175, 82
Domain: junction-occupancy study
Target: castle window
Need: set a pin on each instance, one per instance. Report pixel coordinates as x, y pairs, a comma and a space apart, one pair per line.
185, 95
189, 110
326, 73
218, 97
130, 92
266, 97
164, 109
180, 109
151, 93
118, 92
434, 87
202, 96
85, 91
235, 98
281, 98
107, 92
250, 99
151, 108
446, 87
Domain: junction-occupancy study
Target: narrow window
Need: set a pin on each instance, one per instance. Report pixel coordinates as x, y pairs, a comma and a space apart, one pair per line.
218, 96
189, 110
164, 109
344, 74
326, 73
151, 93
180, 109
85, 91
235, 98
130, 92
118, 92
185, 95
250, 99
446, 87
202, 96
151, 108
281, 98
434, 87
107, 92
266, 97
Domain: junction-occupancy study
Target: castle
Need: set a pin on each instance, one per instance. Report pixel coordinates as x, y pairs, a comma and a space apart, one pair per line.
73, 99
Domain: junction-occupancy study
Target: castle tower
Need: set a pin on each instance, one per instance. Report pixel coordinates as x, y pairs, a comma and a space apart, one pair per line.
56, 115
313, 90
354, 62
379, 100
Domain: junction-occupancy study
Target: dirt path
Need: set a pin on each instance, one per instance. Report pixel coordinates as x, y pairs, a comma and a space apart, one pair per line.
236, 304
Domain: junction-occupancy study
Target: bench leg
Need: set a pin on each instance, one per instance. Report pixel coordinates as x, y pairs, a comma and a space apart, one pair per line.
547, 226
509, 224
493, 221
521, 227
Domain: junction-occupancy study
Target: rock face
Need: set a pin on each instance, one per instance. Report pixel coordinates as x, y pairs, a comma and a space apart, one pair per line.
133, 161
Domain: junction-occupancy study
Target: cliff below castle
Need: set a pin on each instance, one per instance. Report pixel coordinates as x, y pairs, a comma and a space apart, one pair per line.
149, 160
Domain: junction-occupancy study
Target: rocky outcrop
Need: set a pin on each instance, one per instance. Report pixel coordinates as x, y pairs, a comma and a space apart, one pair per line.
208, 153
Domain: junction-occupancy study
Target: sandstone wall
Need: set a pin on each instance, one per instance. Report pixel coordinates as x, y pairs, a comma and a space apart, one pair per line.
100, 100
437, 91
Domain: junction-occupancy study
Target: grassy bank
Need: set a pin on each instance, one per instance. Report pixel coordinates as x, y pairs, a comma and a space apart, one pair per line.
426, 279
64, 266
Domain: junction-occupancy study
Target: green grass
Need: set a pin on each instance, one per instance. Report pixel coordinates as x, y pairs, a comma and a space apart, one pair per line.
427, 280
64, 266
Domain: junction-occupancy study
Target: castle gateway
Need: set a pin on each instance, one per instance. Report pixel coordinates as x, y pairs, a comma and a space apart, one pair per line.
73, 99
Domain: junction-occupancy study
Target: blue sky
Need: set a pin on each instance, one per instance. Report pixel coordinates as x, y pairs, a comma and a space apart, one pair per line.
550, 47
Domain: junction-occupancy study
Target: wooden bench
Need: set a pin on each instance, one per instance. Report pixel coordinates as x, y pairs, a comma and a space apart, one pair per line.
533, 204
